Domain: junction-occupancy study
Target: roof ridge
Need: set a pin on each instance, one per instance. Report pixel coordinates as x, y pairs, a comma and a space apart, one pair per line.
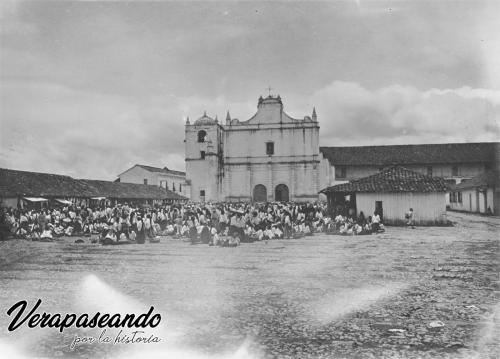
394, 178
33, 172
417, 144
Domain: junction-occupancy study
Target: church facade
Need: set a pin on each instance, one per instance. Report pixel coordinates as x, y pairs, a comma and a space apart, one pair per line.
269, 157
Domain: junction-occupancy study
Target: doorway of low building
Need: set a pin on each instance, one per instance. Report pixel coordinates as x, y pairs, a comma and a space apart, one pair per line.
477, 200
379, 209
281, 193
260, 193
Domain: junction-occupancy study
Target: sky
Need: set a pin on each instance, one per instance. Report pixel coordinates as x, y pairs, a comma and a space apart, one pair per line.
88, 89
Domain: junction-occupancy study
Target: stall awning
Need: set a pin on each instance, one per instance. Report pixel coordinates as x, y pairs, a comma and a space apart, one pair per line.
35, 199
98, 198
63, 201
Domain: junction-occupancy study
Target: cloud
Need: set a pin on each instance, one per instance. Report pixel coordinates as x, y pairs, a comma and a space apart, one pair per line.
350, 114
50, 127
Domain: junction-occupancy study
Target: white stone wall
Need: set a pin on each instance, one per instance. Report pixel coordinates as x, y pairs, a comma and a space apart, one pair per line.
428, 208
137, 175
291, 142
474, 200
295, 162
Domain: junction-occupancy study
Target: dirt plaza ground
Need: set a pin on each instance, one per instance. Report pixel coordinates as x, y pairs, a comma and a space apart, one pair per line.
408, 293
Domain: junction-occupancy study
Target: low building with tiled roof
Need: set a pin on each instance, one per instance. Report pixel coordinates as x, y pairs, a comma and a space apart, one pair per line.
133, 192
451, 161
172, 180
19, 187
454, 162
391, 193
16, 187
480, 194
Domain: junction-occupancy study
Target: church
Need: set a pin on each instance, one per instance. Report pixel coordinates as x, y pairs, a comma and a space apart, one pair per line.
269, 157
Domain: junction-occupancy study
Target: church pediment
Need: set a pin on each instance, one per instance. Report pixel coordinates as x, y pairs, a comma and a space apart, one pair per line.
269, 110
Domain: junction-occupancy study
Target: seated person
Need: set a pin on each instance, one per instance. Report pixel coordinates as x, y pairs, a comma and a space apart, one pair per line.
268, 233
47, 233
224, 241
215, 241
184, 230
234, 240
111, 235
68, 231
205, 234
58, 230
278, 233
169, 229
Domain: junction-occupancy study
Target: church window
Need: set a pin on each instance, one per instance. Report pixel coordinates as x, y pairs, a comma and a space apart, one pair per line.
180, 188
459, 197
201, 136
429, 171
454, 171
145, 181
202, 155
269, 148
173, 187
202, 193
340, 172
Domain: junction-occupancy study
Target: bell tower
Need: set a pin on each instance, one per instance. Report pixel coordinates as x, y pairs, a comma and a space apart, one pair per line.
203, 158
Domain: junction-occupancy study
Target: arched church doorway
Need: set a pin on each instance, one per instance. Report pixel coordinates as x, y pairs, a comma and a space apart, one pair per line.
281, 193
260, 193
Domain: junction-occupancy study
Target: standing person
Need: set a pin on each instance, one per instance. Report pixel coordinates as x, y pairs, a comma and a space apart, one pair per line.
375, 222
288, 225
124, 225
193, 231
141, 230
148, 224
409, 218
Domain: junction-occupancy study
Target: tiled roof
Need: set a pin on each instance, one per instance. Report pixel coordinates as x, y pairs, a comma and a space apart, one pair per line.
159, 170
131, 190
413, 154
392, 179
180, 173
24, 183
150, 168
487, 179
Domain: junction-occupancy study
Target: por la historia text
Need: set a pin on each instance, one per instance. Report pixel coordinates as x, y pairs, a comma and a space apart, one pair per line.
121, 338
60, 321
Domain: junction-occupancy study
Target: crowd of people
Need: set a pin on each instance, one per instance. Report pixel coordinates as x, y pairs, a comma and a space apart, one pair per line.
218, 224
